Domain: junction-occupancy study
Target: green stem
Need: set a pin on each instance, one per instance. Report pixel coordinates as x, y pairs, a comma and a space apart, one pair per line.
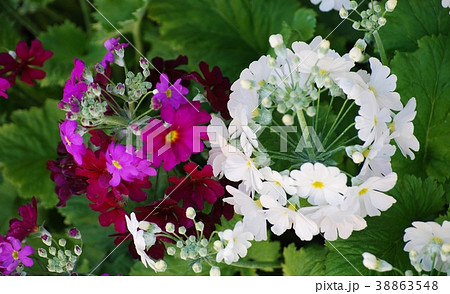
380, 48
86, 16
115, 120
256, 264
136, 32
398, 271
305, 133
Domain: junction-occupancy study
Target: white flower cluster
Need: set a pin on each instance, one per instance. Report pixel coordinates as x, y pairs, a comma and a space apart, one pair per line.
327, 5
428, 244
312, 196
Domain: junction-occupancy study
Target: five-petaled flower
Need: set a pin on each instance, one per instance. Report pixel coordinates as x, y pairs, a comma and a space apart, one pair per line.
11, 253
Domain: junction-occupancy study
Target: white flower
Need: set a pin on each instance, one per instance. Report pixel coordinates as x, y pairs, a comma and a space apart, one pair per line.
356, 54
283, 218
373, 263
391, 4
382, 85
239, 167
277, 185
139, 241
446, 4
327, 5
368, 195
402, 129
320, 184
335, 221
371, 122
256, 74
237, 243
425, 241
254, 220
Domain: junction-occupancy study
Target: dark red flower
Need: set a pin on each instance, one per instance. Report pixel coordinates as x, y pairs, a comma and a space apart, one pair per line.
100, 139
24, 65
169, 68
20, 229
197, 187
63, 173
217, 87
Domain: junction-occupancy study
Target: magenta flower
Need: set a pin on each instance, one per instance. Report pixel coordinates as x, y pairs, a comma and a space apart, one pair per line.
73, 141
4, 85
75, 86
178, 142
113, 46
125, 166
25, 63
169, 95
20, 229
11, 253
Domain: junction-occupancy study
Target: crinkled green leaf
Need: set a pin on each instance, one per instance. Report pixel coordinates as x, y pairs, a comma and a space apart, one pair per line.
8, 207
9, 36
412, 20
66, 41
425, 75
308, 261
26, 145
96, 241
230, 34
302, 26
417, 200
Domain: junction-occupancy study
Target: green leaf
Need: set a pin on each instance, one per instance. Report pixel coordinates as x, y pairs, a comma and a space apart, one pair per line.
25, 147
302, 26
265, 252
412, 20
417, 200
424, 74
118, 13
308, 261
96, 241
9, 37
8, 207
66, 41
230, 34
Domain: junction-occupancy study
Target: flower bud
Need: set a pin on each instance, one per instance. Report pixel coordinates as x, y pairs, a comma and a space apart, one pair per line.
276, 41
357, 157
246, 84
182, 230
266, 102
190, 213
353, 5
356, 25
356, 55
287, 120
197, 267
161, 266
203, 252
42, 252
390, 5
77, 250
171, 250
74, 233
170, 228
343, 13
199, 226
62, 242
311, 111
52, 251
218, 245
381, 21
214, 271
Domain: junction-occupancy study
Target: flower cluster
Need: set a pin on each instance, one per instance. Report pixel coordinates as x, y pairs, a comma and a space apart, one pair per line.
313, 195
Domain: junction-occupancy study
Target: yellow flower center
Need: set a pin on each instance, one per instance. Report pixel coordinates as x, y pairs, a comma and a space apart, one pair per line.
292, 207
323, 72
392, 127
261, 83
318, 185
258, 202
67, 141
375, 120
366, 152
15, 255
255, 112
116, 164
277, 183
172, 136
249, 163
169, 93
373, 90
363, 191
437, 240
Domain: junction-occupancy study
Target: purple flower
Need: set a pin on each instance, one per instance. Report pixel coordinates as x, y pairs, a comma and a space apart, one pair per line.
75, 86
123, 165
169, 96
73, 141
11, 253
113, 46
4, 85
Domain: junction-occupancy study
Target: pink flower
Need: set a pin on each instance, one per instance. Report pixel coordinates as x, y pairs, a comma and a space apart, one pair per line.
4, 85
169, 96
197, 187
75, 86
73, 141
125, 166
178, 142
112, 45
11, 253
24, 64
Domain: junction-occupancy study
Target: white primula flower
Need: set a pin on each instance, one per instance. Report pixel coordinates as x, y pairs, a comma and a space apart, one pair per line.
257, 73
371, 122
254, 220
283, 219
320, 184
371, 262
402, 129
236, 243
446, 4
240, 167
424, 243
382, 85
277, 185
370, 197
354, 84
240, 128
334, 221
327, 5
139, 241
